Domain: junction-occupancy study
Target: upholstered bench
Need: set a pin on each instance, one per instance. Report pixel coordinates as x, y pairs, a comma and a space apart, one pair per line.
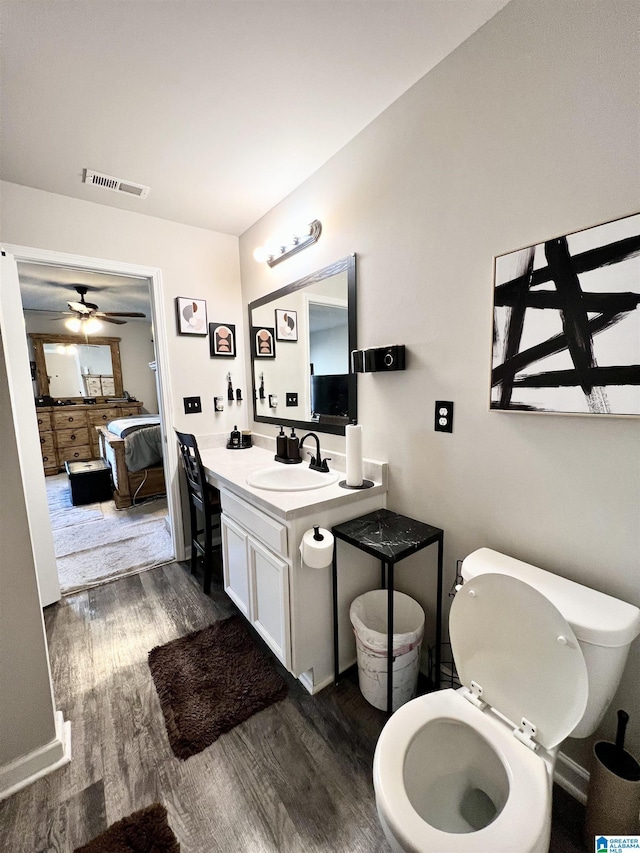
90, 481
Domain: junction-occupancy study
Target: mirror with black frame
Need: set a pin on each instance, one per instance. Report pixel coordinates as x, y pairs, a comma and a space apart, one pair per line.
301, 339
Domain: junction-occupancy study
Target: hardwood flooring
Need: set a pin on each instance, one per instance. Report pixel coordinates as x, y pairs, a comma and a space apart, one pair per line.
295, 778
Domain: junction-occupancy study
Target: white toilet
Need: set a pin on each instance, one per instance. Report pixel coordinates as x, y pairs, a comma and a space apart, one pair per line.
540, 658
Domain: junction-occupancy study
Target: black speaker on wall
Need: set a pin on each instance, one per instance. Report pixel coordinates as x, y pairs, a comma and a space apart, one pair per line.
378, 359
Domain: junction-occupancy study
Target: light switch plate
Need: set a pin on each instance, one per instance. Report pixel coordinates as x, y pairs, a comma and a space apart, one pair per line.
292, 398
192, 405
443, 416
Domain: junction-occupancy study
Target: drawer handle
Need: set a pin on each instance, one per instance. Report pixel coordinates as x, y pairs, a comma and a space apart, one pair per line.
76, 454
73, 438
71, 419
42, 440
45, 458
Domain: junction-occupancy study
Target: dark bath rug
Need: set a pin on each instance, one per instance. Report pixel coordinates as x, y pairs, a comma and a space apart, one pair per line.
146, 831
211, 680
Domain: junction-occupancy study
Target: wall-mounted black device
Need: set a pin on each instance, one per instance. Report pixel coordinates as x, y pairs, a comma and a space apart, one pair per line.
378, 359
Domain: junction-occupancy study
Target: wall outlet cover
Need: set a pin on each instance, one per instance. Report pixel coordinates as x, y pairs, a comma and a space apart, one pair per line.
192, 405
443, 416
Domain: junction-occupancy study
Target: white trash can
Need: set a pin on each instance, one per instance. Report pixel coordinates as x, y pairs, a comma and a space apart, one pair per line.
368, 616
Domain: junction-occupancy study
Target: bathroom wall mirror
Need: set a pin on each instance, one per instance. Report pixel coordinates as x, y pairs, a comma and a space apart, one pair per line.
72, 367
301, 339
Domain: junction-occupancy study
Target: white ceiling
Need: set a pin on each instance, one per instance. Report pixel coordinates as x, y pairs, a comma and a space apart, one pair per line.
222, 107
49, 288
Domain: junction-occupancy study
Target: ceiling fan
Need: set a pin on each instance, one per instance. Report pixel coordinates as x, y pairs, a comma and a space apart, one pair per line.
86, 311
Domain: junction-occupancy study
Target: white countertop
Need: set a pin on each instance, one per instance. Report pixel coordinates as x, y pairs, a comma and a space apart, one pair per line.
229, 469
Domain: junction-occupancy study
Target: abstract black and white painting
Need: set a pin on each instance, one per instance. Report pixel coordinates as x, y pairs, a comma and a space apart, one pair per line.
566, 328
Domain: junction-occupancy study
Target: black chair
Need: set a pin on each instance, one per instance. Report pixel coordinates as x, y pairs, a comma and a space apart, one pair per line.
204, 500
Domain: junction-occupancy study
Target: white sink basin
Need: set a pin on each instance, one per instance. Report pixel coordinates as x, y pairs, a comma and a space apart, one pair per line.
291, 478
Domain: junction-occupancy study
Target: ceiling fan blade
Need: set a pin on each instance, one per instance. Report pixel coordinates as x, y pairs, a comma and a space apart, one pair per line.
80, 307
121, 314
110, 320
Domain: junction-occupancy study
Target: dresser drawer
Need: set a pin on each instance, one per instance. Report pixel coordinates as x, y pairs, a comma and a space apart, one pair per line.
44, 421
259, 525
47, 444
72, 437
49, 456
103, 416
67, 420
74, 454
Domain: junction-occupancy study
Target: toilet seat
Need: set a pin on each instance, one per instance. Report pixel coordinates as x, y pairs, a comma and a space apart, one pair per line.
514, 650
525, 817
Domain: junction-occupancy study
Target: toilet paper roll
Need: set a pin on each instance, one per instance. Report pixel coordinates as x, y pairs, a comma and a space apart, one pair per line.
317, 554
353, 434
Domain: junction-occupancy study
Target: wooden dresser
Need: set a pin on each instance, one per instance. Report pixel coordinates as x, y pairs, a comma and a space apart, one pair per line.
69, 432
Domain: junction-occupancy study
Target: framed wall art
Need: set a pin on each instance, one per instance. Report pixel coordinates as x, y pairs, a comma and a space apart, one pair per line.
222, 340
286, 325
192, 316
566, 328
263, 342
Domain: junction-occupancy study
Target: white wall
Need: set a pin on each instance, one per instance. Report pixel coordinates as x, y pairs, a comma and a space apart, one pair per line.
194, 263
527, 131
26, 703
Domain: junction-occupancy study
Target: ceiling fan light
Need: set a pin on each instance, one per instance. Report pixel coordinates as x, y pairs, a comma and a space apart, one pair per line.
92, 325
73, 324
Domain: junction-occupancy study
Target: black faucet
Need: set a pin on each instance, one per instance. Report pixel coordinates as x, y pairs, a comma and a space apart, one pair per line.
317, 462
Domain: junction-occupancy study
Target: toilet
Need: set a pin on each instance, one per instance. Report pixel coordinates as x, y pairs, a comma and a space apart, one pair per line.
539, 658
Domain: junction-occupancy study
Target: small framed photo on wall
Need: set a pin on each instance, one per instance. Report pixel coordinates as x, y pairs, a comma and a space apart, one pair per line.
222, 340
286, 325
263, 342
192, 316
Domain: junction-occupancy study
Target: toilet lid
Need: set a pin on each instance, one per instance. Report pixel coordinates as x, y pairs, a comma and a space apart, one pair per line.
513, 642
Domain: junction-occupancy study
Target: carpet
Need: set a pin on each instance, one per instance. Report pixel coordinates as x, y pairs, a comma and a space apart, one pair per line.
97, 542
210, 681
146, 831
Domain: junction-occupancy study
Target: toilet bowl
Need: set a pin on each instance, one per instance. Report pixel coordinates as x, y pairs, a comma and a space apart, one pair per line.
471, 770
450, 779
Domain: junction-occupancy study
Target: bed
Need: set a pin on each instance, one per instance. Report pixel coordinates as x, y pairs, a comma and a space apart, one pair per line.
132, 447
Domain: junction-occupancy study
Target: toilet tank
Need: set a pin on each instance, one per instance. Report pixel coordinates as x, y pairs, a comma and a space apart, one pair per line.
604, 626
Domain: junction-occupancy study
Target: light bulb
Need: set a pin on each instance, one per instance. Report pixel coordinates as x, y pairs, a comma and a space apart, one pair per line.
302, 230
92, 325
73, 324
261, 254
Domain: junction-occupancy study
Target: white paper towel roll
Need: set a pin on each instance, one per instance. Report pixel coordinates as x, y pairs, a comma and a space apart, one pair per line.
353, 435
317, 554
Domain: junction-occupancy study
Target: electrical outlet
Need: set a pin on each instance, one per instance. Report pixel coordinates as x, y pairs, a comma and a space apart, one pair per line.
292, 398
443, 416
192, 405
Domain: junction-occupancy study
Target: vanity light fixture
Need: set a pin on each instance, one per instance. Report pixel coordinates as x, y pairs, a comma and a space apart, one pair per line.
276, 250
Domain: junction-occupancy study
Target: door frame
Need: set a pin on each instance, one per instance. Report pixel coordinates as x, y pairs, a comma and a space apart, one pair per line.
158, 317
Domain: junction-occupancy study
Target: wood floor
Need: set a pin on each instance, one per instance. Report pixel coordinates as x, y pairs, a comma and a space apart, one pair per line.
295, 778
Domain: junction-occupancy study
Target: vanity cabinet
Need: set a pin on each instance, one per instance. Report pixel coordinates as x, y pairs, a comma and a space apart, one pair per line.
256, 577
68, 433
288, 603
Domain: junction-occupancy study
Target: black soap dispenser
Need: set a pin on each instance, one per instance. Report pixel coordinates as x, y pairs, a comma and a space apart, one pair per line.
293, 447
281, 446
234, 438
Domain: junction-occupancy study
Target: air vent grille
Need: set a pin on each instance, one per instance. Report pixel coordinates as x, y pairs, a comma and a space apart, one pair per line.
108, 182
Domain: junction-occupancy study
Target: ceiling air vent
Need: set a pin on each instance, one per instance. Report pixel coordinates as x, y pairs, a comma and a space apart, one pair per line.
108, 182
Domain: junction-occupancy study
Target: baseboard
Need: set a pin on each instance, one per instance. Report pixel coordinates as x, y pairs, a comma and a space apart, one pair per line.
42, 761
572, 777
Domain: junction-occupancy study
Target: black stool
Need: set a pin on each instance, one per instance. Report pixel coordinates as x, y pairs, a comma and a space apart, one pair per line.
204, 499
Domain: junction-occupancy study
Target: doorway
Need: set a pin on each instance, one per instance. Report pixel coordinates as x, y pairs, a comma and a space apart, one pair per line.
16, 356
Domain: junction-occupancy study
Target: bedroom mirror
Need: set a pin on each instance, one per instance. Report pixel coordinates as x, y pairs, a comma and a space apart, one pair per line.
301, 337
72, 367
